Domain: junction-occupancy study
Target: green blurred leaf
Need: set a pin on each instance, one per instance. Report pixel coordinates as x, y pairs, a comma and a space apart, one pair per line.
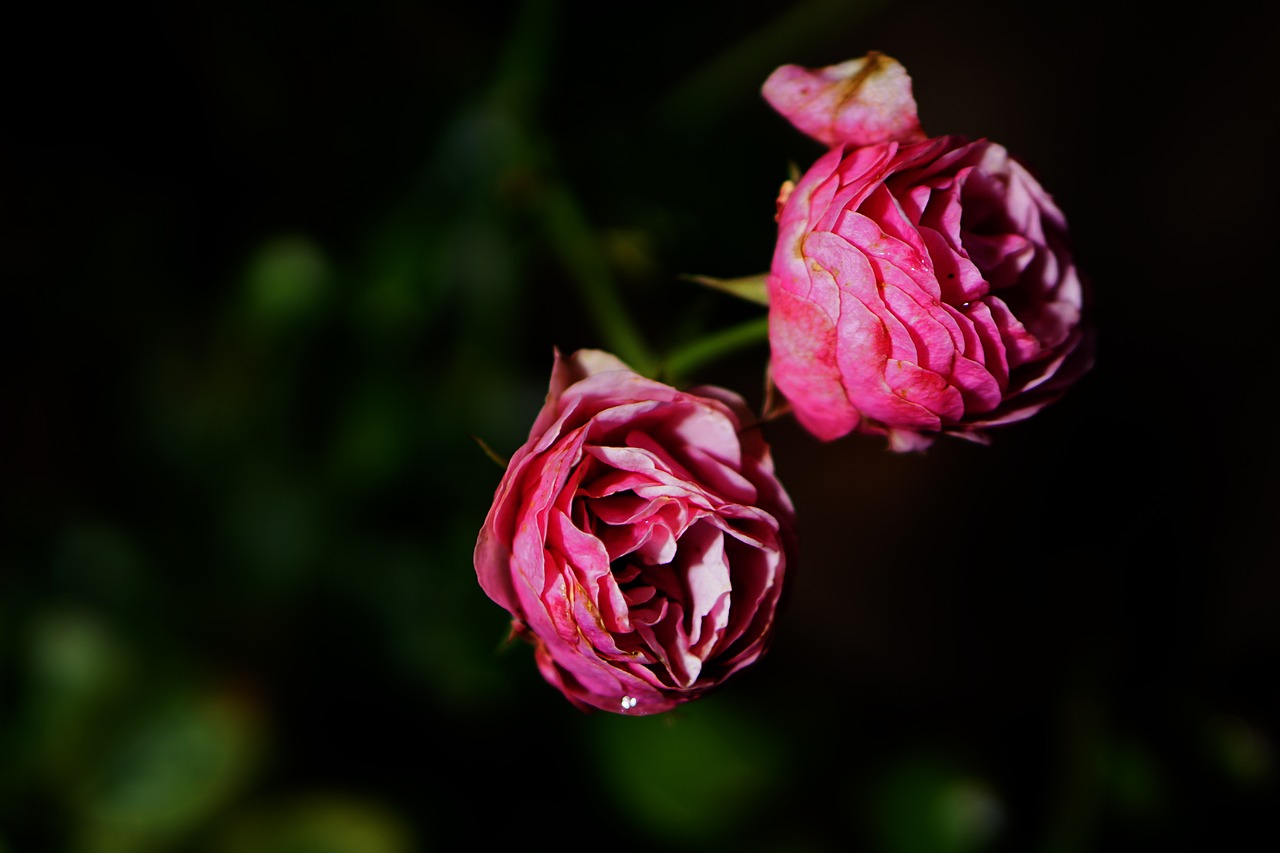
286, 280
372, 439
397, 298
688, 775
75, 665
1130, 777
71, 654
99, 563
924, 804
1241, 749
274, 527
318, 823
181, 762
436, 624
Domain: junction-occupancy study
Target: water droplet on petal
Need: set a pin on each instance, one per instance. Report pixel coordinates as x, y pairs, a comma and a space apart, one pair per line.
964, 306
628, 702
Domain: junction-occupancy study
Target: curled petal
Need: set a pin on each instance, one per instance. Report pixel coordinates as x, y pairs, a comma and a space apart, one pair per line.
860, 102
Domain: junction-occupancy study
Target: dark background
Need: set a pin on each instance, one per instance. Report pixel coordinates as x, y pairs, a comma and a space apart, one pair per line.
270, 266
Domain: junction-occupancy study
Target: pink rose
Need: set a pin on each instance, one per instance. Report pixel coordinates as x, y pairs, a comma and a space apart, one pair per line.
919, 285
639, 538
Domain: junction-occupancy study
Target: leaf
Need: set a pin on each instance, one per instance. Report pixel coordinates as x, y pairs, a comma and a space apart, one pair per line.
753, 288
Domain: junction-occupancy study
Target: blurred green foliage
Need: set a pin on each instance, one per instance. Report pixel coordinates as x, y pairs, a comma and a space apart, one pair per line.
282, 264
690, 776
923, 803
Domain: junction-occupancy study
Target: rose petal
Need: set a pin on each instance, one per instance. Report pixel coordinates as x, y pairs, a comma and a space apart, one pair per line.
859, 102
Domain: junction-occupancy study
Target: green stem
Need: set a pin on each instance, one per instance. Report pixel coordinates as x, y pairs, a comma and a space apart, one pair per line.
579, 250
683, 360
516, 96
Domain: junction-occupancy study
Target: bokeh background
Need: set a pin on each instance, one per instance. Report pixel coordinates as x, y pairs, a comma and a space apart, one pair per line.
270, 267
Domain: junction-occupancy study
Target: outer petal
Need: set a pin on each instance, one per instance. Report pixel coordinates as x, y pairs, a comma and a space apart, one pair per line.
860, 102
804, 340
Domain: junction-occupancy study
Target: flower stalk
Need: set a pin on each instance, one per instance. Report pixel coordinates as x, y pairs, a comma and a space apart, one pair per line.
685, 359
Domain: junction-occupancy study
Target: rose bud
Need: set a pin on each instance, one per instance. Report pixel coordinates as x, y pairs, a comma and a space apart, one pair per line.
919, 286
639, 538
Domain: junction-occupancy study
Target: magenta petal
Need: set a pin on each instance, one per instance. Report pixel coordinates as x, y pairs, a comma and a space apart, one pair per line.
803, 365
860, 102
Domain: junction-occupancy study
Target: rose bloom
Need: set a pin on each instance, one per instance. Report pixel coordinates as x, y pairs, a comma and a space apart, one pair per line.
919, 286
639, 538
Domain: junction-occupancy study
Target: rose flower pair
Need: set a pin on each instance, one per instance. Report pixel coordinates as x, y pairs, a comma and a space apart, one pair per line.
920, 286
